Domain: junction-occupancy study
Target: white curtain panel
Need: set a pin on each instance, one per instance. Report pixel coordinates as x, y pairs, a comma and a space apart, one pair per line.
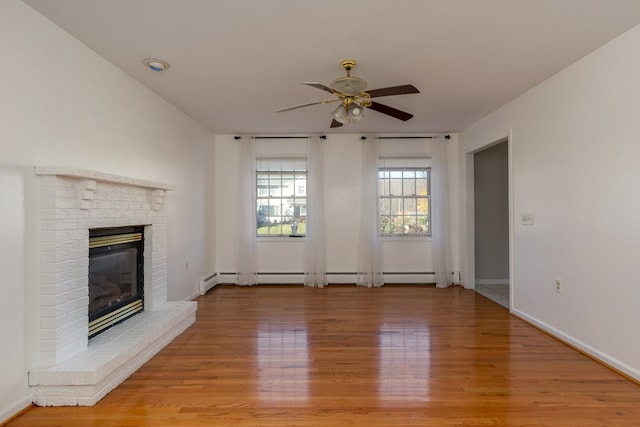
439, 208
370, 245
315, 274
246, 214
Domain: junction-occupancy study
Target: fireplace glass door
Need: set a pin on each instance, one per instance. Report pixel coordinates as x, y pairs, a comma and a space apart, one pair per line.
115, 276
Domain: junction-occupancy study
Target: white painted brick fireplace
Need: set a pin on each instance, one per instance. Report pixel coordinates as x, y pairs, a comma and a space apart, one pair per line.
74, 370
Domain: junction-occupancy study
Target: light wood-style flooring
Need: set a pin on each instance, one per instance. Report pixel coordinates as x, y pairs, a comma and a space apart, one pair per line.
349, 356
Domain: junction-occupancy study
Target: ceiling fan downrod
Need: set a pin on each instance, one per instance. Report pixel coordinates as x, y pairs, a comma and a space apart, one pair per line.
348, 65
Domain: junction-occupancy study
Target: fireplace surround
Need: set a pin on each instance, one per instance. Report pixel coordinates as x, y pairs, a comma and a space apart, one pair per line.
74, 370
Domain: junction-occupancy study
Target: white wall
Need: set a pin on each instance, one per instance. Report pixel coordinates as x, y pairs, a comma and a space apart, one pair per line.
575, 154
63, 105
343, 170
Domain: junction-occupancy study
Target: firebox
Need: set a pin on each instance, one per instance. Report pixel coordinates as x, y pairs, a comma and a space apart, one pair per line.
116, 281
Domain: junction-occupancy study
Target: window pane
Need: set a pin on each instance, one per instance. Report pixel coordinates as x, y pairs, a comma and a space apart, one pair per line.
423, 206
408, 187
299, 208
385, 225
404, 197
408, 174
383, 187
385, 206
287, 165
410, 206
396, 205
396, 224
281, 197
300, 185
275, 186
275, 230
422, 188
274, 209
287, 185
395, 186
423, 223
411, 225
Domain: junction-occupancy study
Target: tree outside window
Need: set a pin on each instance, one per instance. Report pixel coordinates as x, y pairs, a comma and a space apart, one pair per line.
404, 201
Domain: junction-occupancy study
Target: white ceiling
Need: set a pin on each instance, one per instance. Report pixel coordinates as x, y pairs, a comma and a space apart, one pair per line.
235, 62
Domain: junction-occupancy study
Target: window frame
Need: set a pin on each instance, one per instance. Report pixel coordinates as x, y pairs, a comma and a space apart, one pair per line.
401, 165
286, 216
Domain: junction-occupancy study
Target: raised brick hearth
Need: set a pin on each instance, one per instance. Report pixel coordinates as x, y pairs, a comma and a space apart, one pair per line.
74, 370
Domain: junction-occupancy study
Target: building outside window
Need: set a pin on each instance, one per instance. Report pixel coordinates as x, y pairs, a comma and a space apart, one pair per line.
281, 203
405, 197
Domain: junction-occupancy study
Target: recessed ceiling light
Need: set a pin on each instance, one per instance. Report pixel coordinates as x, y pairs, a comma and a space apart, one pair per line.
157, 65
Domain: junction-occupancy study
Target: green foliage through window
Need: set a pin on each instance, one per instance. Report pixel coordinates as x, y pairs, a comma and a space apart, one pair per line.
404, 201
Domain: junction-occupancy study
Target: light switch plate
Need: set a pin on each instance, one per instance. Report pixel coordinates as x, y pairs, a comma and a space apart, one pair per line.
528, 218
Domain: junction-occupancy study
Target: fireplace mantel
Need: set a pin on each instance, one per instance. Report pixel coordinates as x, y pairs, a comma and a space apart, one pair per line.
99, 176
74, 370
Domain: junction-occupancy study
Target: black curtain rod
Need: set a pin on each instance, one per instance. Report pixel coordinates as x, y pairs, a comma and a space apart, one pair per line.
408, 137
282, 137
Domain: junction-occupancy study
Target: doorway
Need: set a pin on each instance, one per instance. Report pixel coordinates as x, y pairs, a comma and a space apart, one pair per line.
491, 222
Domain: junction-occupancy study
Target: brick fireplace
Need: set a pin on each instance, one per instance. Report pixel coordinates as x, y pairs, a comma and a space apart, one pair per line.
74, 370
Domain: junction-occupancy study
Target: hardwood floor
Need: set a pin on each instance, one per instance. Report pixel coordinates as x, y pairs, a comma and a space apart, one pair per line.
349, 356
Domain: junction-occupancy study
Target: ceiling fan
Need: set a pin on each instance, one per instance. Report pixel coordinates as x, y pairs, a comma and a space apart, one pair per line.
350, 92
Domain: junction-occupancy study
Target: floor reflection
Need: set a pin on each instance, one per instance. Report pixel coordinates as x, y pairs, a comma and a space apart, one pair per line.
404, 352
283, 362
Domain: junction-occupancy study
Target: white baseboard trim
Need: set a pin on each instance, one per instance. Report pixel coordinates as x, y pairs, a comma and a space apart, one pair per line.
14, 409
581, 346
192, 297
492, 282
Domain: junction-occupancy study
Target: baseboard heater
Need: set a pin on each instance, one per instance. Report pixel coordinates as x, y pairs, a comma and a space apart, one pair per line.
426, 277
207, 282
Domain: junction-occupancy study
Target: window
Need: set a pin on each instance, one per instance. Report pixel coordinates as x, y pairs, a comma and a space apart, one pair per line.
404, 190
281, 201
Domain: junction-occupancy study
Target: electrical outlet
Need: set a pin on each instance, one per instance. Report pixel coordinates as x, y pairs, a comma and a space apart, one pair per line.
186, 266
559, 286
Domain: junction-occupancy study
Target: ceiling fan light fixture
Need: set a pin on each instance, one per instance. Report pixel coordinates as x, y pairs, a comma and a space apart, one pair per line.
348, 112
356, 112
341, 114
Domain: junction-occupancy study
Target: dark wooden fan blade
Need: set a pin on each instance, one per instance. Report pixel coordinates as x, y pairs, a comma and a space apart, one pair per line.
335, 124
319, 86
390, 111
393, 90
325, 101
299, 106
